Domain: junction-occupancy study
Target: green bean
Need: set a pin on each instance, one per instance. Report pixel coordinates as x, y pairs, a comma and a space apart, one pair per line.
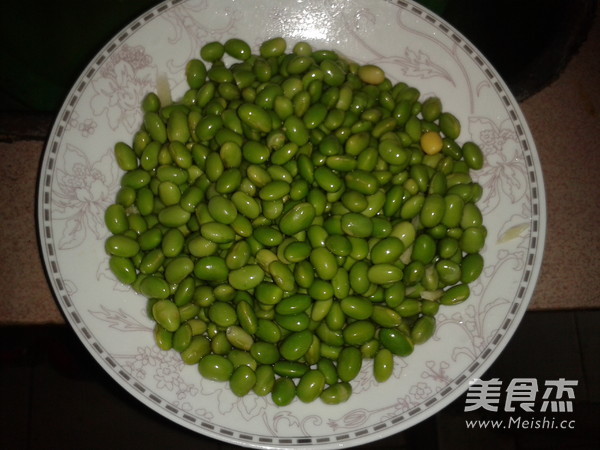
222, 314
215, 367
264, 352
359, 332
384, 273
162, 337
335, 318
178, 269
198, 347
241, 358
336, 393
123, 269
293, 305
383, 365
125, 156
283, 392
324, 263
293, 322
237, 48
121, 245
273, 47
115, 219
211, 268
294, 346
472, 239
310, 386
455, 294
385, 317
471, 267
290, 369
422, 329
295, 209
242, 380
349, 363
449, 125
268, 331
396, 342
265, 380
238, 337
219, 233
164, 312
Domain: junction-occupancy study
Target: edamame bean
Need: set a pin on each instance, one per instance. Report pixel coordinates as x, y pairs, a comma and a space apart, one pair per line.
472, 239
162, 337
273, 47
359, 332
297, 219
387, 250
449, 125
283, 392
241, 358
324, 263
396, 342
472, 155
357, 225
455, 295
293, 305
237, 49
294, 346
384, 274
349, 363
310, 386
355, 307
268, 331
237, 336
383, 365
242, 380
121, 245
255, 117
215, 367
264, 352
291, 369
423, 329
211, 268
385, 317
265, 380
219, 233
336, 393
247, 277
165, 313
115, 219
123, 269
471, 267
293, 322
198, 347
295, 209
178, 269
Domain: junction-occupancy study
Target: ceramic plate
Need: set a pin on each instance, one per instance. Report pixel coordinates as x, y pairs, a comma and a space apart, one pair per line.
79, 179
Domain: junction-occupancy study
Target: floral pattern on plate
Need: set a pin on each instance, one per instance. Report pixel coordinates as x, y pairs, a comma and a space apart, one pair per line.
79, 178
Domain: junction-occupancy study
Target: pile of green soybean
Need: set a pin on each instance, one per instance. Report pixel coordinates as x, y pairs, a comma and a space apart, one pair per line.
292, 215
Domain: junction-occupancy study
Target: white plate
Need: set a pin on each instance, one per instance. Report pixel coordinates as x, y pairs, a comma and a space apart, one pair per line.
79, 179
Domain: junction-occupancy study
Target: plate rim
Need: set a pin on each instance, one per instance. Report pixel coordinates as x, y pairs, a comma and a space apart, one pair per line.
432, 404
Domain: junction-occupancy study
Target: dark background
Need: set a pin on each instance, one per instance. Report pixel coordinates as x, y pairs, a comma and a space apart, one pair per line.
45, 45
54, 395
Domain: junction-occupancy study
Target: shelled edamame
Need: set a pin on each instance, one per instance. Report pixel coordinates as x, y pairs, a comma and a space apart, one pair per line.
292, 215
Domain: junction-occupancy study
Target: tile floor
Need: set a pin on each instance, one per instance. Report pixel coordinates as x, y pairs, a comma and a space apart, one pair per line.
55, 396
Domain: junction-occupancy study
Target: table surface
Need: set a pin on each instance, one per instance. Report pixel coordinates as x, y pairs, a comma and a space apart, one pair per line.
563, 118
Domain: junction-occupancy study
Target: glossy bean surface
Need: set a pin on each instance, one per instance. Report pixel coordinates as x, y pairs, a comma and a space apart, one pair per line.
293, 214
